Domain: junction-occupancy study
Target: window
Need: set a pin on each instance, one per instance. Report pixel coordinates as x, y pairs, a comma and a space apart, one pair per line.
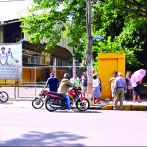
37, 60
32, 60
51, 62
25, 59
43, 60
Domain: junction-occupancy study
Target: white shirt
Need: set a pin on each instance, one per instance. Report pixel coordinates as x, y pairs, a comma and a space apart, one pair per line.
9, 56
95, 82
3, 58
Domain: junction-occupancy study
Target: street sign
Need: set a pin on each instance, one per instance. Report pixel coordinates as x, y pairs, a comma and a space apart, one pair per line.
97, 37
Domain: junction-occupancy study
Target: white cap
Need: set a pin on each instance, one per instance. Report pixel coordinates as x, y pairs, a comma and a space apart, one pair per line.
119, 74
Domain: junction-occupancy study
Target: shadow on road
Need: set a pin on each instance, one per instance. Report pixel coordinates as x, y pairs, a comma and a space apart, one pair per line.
76, 111
34, 138
7, 103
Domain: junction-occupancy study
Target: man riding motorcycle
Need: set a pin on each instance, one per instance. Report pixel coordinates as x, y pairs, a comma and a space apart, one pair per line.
64, 88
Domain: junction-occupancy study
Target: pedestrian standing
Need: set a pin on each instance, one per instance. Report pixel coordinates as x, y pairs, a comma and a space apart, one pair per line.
75, 81
125, 94
136, 91
96, 88
53, 83
130, 88
112, 80
84, 83
119, 90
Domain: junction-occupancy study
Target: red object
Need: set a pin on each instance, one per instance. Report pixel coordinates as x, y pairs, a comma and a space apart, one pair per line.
79, 91
52, 95
71, 93
83, 98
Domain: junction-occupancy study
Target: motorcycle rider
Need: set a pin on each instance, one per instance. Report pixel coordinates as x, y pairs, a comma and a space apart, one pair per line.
64, 88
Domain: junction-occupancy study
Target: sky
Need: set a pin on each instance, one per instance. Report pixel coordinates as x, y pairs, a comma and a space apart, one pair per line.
9, 10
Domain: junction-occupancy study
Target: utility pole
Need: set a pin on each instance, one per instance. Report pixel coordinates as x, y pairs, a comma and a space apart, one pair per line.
89, 53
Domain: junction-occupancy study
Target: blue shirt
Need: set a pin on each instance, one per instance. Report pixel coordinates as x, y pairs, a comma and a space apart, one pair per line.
84, 81
52, 82
120, 83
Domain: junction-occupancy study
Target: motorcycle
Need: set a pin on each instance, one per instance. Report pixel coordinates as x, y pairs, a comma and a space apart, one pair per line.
54, 100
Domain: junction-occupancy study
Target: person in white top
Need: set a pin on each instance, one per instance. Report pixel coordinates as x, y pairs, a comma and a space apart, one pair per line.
96, 88
10, 56
112, 80
130, 88
3, 57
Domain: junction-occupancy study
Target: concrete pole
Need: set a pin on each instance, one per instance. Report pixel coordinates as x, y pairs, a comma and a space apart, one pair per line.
35, 81
73, 67
89, 54
55, 64
1, 34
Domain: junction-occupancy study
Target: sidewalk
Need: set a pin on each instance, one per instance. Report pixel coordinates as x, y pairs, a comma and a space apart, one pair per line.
128, 105
105, 104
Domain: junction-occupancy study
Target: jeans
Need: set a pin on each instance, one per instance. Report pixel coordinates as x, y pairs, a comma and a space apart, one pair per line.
125, 96
67, 101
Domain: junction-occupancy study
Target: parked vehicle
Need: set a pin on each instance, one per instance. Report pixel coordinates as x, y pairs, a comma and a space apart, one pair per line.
38, 102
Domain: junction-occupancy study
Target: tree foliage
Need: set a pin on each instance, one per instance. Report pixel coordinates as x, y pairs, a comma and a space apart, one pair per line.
122, 23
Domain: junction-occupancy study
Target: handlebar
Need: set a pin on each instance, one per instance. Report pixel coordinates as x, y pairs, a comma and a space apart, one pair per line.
76, 88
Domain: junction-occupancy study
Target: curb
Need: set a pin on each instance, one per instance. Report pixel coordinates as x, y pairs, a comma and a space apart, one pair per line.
127, 107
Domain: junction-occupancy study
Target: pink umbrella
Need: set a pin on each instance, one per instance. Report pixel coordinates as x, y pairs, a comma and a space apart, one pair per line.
138, 75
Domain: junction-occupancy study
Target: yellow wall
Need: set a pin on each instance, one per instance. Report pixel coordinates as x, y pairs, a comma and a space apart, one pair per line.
107, 64
59, 73
28, 73
2, 81
25, 75
9, 81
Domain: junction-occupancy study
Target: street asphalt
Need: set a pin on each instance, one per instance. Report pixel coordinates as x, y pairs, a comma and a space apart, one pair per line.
31, 127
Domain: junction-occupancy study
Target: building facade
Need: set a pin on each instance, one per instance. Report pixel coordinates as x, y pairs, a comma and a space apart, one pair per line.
35, 55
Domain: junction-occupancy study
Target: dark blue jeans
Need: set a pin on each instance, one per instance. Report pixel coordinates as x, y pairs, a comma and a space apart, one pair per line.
67, 101
125, 96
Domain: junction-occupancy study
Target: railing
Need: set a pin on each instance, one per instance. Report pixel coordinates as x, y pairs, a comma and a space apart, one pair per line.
15, 37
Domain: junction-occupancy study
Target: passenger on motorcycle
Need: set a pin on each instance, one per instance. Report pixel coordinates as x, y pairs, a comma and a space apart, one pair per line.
64, 88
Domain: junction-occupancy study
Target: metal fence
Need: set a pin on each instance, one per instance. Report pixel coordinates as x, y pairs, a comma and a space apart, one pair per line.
32, 79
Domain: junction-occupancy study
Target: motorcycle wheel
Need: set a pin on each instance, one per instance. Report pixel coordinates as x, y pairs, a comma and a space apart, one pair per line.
82, 105
48, 105
37, 103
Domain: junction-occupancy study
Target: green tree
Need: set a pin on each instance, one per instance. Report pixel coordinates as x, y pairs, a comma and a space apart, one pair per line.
121, 22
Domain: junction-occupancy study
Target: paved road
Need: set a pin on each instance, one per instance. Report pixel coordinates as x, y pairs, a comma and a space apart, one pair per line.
31, 127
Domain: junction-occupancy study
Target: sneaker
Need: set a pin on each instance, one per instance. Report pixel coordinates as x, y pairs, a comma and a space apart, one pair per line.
70, 110
139, 102
133, 101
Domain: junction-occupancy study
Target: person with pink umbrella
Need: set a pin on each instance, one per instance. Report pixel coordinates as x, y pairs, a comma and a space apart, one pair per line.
136, 91
136, 80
